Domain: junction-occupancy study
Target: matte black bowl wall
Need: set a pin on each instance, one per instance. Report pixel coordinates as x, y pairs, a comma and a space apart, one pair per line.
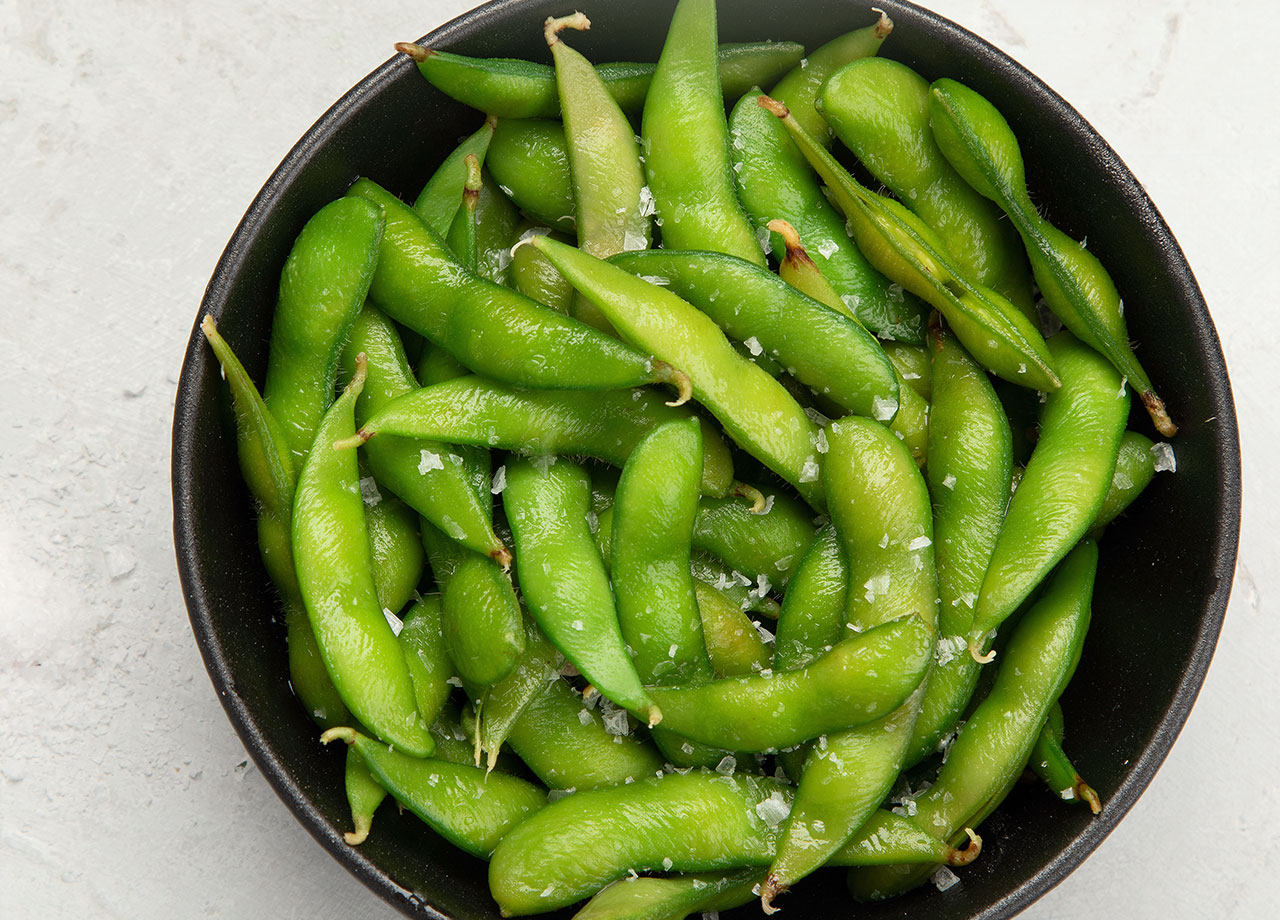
1166, 567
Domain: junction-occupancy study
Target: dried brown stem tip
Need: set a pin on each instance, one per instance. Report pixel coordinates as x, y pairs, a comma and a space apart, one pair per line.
773, 105
551, 29
975, 650
1155, 408
768, 891
885, 25
969, 853
665, 373
1087, 793
791, 239
502, 556
751, 494
415, 51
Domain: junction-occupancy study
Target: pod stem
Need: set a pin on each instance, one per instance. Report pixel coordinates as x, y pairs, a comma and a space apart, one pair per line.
975, 651
360, 834
360, 437
768, 891
502, 556
339, 734
773, 106
1159, 416
752, 494
666, 373
884, 25
796, 254
969, 853
1089, 795
551, 28
418, 52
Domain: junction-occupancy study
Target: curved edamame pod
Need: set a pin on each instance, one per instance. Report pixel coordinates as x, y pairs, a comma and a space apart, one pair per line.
438, 202
461, 238
820, 347
489, 328
674, 898
469, 807
882, 515
862, 678
880, 110
395, 546
1050, 762
734, 645
899, 244
694, 822
813, 609
800, 88
500, 706
563, 578
333, 561
364, 795
977, 140
606, 424
969, 474
496, 222
429, 666
522, 89
1064, 485
913, 366
753, 408
1135, 468
768, 543
997, 738
529, 159
535, 277
775, 182
685, 140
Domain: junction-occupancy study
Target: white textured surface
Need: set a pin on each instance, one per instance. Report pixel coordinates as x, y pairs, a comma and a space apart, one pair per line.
136, 133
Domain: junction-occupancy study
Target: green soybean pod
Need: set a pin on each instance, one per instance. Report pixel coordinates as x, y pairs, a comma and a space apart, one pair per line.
322, 287
434, 478
880, 507
982, 147
564, 580
569, 745
799, 89
674, 898
753, 408
735, 586
535, 277
685, 140
1064, 485
469, 807
911, 420
1135, 468
364, 795
422, 642
969, 474
822, 348
775, 182
767, 542
880, 110
501, 706
440, 198
813, 609
333, 561
734, 644
990, 751
606, 424
511, 88
496, 222
529, 159
489, 328
1051, 763
461, 238
913, 366
395, 545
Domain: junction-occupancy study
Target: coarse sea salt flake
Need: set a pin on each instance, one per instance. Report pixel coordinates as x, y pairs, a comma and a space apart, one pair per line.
753, 346
667, 863
944, 878
827, 248
821, 445
1165, 460
584, 716
647, 205
810, 471
883, 408
499, 481
430, 461
393, 621
369, 491
919, 542
728, 763
949, 480
877, 585
633, 241
774, 809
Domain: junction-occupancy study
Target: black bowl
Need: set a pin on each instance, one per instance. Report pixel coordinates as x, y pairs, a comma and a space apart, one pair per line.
1166, 567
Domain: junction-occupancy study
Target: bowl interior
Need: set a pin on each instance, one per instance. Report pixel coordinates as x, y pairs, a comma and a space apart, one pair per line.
1166, 566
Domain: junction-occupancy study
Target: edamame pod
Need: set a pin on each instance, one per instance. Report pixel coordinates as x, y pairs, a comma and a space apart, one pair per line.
563, 578
435, 479
991, 749
522, 89
775, 182
981, 146
813, 609
766, 545
395, 547
461, 238
496, 222
694, 822
882, 515
820, 347
752, 407
1064, 485
333, 561
737, 587
1135, 468
862, 678
470, 808
489, 328
529, 159
734, 644
364, 795
650, 898
913, 366
535, 277
429, 666
1050, 762
900, 245
606, 424
969, 472
799, 89
438, 202
880, 110
685, 140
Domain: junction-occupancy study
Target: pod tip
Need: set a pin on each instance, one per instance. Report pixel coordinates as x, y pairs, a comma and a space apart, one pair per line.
359, 835
502, 556
414, 50
360, 437
969, 853
884, 25
758, 501
654, 714
1159, 416
975, 650
551, 28
773, 105
768, 891
666, 373
1089, 795
339, 734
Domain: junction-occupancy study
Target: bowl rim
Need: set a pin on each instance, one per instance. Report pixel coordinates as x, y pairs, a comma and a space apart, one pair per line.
232, 260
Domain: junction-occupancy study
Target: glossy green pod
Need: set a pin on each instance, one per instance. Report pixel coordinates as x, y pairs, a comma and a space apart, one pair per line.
1064, 485
754, 409
761, 543
1135, 468
898, 243
880, 507
685, 140
913, 366
461, 238
734, 585
496, 222
674, 898
990, 751
434, 478
775, 182
440, 198
500, 706
395, 546
322, 287
333, 561
490, 328
529, 159
469, 807
535, 277
1050, 762
511, 88
799, 89
982, 147
694, 822
606, 424
563, 578
734, 644
822, 348
969, 475
364, 795
879, 109
422, 643
861, 679
813, 609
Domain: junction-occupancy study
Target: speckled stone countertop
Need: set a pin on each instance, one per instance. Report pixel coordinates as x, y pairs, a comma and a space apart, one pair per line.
134, 136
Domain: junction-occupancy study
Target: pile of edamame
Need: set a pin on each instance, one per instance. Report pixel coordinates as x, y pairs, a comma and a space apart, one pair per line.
715, 381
